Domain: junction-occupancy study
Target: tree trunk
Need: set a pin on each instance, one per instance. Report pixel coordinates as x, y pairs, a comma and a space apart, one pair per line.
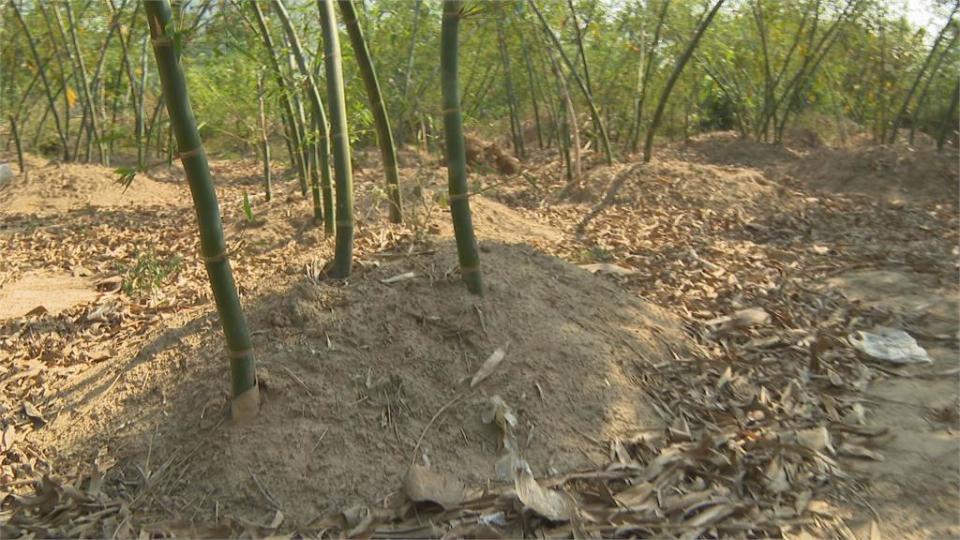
647, 74
467, 251
950, 120
16, 141
264, 139
297, 155
388, 151
583, 59
923, 70
405, 89
594, 113
51, 100
212, 246
677, 70
924, 92
533, 90
319, 122
143, 140
516, 129
343, 249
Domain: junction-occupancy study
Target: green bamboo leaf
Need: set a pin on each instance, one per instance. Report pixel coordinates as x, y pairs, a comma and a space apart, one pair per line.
247, 209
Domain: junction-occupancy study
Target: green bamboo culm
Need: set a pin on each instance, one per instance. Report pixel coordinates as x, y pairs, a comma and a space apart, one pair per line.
388, 150
318, 153
343, 175
212, 246
454, 148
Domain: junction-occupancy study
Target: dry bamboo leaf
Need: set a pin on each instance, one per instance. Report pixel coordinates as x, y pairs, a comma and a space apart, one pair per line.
37, 311
9, 435
109, 285
421, 484
32, 412
398, 277
553, 505
816, 439
498, 411
777, 477
608, 268
489, 365
857, 451
706, 518
746, 318
634, 496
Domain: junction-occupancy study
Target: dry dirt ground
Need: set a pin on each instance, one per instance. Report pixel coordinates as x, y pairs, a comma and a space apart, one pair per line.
677, 344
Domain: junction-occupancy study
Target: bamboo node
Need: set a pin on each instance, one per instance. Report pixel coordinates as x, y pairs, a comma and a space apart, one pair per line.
470, 269
458, 197
190, 153
345, 224
161, 41
451, 110
220, 257
239, 354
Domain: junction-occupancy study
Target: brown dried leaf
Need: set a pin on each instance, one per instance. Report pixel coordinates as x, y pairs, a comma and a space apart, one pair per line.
488, 367
857, 451
33, 413
553, 505
608, 268
421, 484
398, 277
9, 435
816, 439
635, 496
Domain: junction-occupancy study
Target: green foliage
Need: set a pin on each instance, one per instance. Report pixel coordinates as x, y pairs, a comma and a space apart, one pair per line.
148, 272
125, 176
247, 209
864, 76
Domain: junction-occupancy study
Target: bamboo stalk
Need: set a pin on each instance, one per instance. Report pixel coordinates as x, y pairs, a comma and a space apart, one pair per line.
212, 246
16, 141
533, 90
924, 93
594, 113
583, 58
343, 248
388, 151
143, 138
644, 74
264, 139
319, 121
467, 251
297, 155
43, 77
674, 76
898, 118
949, 123
516, 127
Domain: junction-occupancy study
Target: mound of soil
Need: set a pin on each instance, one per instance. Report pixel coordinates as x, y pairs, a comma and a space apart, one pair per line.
56, 187
893, 172
355, 374
729, 148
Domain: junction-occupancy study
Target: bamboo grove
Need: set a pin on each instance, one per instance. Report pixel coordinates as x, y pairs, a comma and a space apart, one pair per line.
78, 82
